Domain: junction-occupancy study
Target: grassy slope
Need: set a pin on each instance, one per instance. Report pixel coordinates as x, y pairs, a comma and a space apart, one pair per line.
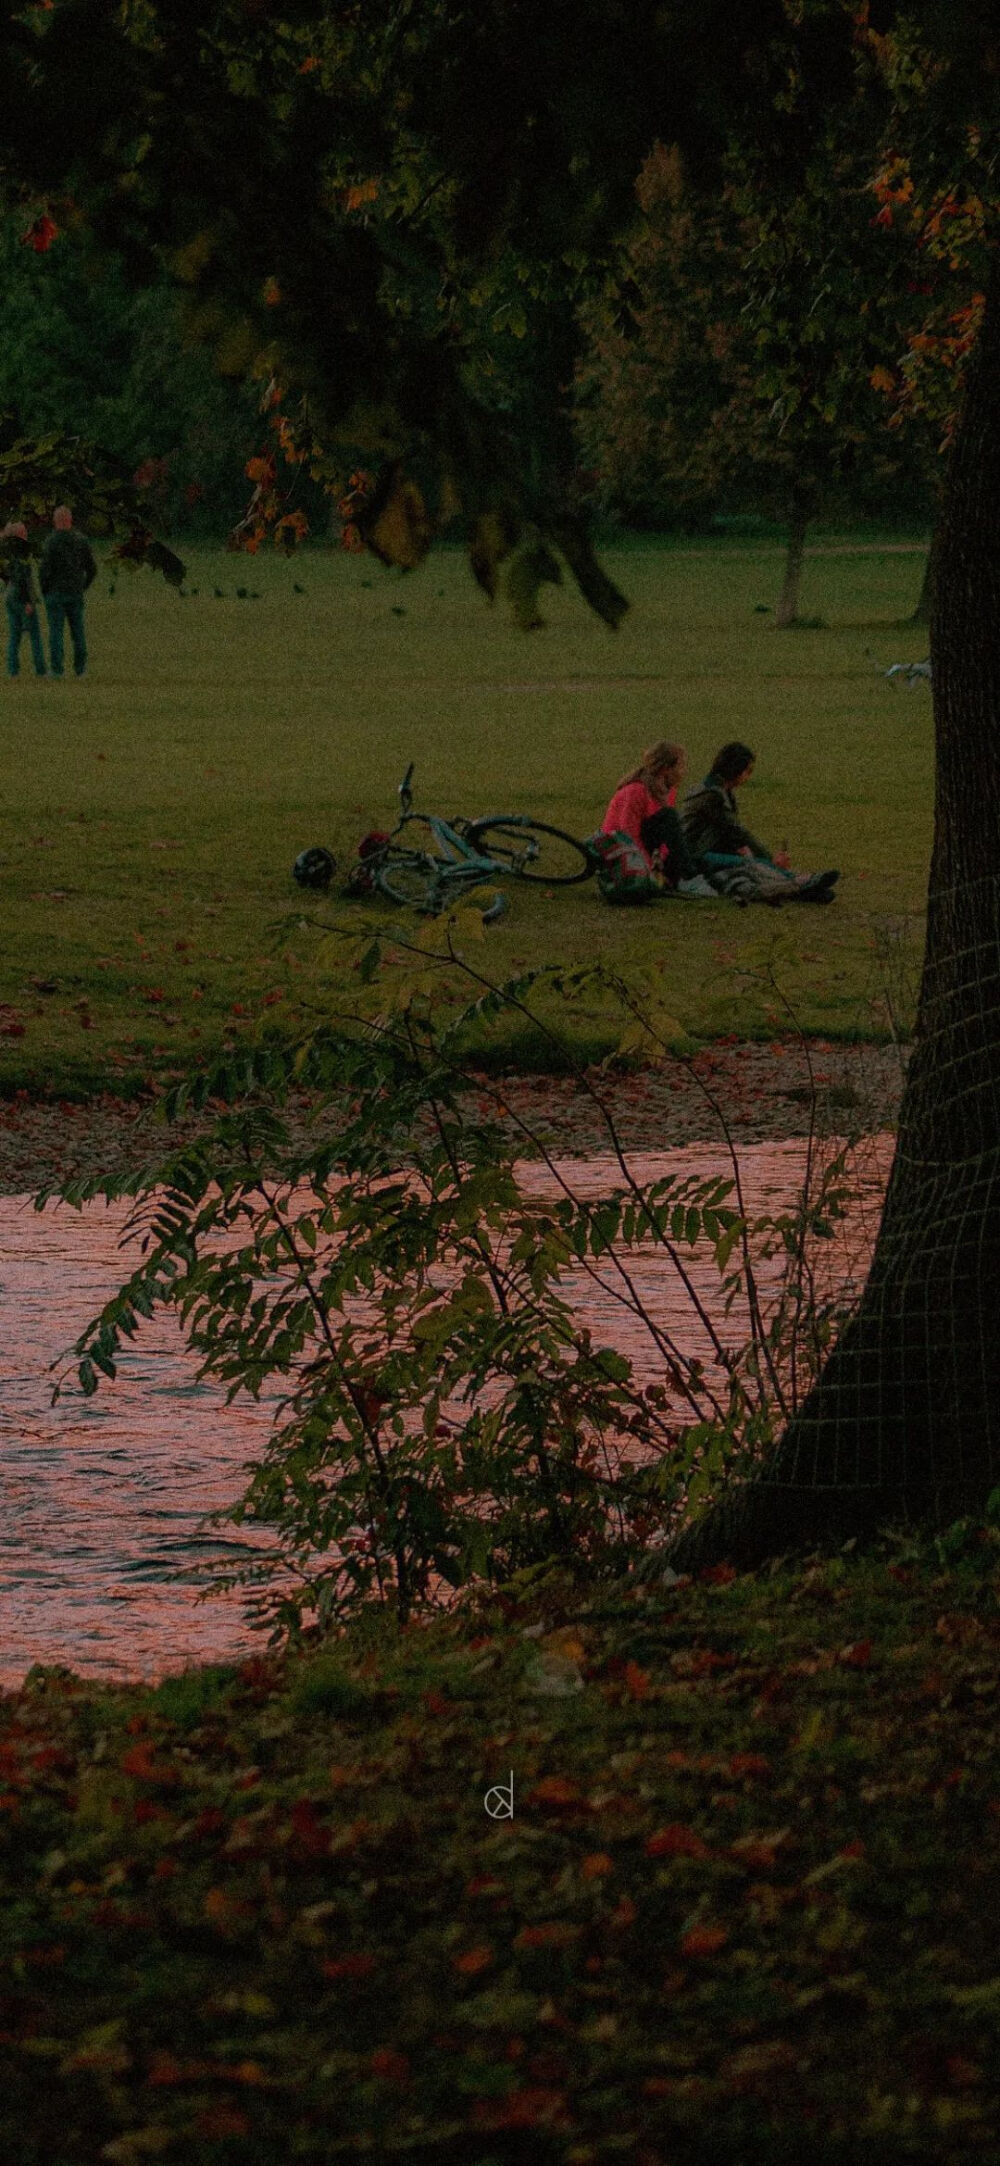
151, 813
746, 1904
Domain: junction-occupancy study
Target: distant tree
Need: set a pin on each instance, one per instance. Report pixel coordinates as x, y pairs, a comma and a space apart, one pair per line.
85, 354
361, 201
743, 350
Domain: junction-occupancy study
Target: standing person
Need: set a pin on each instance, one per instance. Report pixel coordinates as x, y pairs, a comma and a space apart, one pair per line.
643, 807
725, 850
66, 571
22, 600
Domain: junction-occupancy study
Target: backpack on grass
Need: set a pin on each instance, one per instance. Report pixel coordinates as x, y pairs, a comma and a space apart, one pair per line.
624, 873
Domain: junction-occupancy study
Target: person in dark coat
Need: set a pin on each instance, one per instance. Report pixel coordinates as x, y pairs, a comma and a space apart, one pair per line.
728, 854
66, 570
22, 600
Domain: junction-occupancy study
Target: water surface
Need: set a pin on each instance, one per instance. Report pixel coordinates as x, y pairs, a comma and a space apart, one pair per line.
103, 1498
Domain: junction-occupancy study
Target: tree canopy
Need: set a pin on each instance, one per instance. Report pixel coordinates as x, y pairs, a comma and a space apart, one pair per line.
372, 207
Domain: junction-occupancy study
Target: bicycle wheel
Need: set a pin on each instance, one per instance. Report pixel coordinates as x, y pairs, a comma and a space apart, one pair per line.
407, 876
532, 850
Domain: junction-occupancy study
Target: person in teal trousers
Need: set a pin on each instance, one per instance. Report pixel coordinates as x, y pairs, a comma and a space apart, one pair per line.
22, 600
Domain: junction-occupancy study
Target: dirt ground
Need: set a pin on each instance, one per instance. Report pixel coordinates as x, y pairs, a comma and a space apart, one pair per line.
760, 1091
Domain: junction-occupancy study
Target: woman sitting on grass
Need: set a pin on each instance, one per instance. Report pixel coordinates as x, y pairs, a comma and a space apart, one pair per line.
643, 807
724, 850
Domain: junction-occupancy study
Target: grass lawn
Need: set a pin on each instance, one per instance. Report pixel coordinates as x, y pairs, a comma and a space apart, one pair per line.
150, 814
745, 1908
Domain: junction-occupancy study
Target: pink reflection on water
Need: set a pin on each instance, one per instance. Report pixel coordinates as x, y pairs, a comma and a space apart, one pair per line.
103, 1499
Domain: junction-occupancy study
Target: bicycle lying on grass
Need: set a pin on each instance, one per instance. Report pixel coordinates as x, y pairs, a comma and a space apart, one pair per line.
442, 860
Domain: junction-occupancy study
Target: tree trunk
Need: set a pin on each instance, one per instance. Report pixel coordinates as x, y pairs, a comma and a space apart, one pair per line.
904, 1422
922, 612
788, 605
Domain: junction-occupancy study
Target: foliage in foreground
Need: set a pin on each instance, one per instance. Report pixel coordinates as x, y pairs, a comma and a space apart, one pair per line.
445, 1415
745, 1904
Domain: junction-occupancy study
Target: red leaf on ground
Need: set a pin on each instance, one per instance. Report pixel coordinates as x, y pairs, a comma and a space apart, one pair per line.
857, 1655
555, 1933
636, 1681
704, 1940
309, 1831
676, 1841
473, 1961
393, 2067
348, 1966
596, 1866
749, 1763
556, 1793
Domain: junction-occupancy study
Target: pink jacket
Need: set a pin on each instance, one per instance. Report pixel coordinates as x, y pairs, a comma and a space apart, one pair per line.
629, 807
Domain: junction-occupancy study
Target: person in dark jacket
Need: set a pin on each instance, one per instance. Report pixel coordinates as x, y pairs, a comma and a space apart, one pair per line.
726, 851
66, 570
22, 600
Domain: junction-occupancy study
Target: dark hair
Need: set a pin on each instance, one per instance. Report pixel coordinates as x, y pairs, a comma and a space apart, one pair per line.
732, 762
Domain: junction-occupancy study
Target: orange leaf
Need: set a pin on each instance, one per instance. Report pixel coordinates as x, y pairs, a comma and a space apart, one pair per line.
676, 1841
749, 1763
555, 1791
704, 1940
555, 1933
636, 1681
474, 1959
596, 1866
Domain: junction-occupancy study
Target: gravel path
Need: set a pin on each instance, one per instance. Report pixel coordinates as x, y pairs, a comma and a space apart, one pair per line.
763, 1092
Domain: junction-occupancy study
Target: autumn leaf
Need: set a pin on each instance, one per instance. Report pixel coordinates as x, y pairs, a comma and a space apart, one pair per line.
554, 1933
857, 1655
556, 1793
749, 1763
758, 1852
596, 1866
703, 1940
676, 1841
473, 1961
636, 1681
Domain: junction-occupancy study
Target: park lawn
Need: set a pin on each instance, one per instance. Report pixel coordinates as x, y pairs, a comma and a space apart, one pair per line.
150, 813
745, 1908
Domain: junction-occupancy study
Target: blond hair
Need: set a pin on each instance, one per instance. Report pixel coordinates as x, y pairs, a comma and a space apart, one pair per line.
657, 760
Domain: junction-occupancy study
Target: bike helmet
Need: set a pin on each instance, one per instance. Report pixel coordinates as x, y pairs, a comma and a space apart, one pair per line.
314, 867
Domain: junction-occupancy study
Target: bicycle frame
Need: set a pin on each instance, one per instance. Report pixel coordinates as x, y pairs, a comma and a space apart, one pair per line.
461, 867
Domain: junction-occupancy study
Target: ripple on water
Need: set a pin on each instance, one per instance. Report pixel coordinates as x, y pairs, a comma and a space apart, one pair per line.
104, 1499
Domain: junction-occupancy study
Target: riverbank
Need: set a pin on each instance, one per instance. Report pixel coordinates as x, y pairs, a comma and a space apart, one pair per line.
762, 1092
743, 1904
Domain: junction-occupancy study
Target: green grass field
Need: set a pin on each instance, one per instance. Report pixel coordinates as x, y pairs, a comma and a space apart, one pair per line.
150, 814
